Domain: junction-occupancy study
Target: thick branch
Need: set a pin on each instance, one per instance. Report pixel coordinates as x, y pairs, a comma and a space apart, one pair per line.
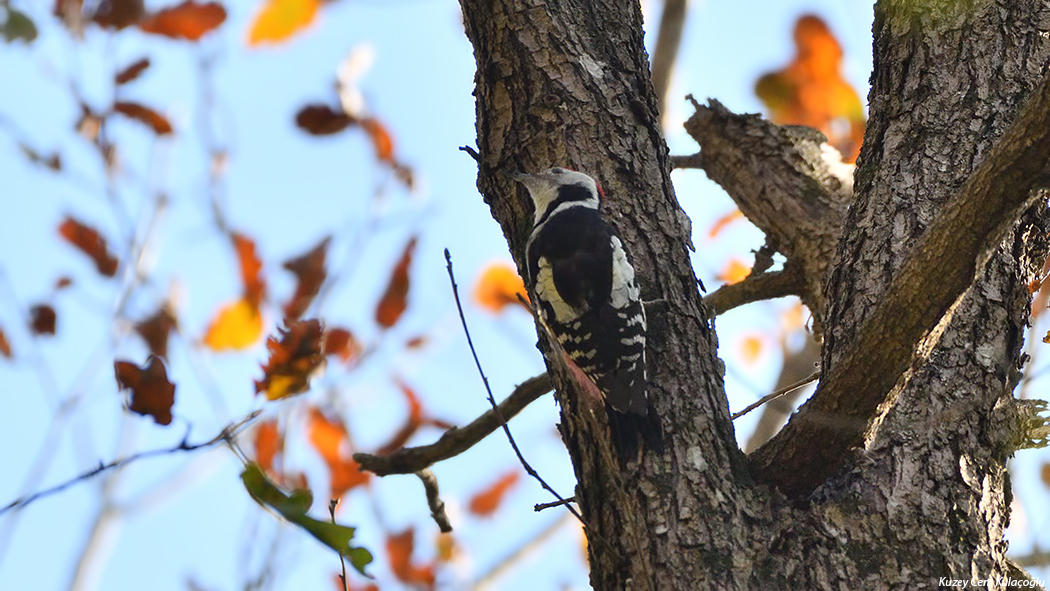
784, 179
939, 270
455, 441
754, 288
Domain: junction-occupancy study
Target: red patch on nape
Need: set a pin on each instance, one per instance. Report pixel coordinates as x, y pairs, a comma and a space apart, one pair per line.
601, 194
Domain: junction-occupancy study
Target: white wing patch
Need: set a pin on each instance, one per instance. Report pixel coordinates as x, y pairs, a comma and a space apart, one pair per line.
624, 290
546, 292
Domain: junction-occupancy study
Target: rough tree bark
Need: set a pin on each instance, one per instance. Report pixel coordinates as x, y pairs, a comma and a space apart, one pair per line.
916, 489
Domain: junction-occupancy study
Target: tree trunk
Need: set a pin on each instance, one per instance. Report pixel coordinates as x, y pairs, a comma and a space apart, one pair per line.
926, 494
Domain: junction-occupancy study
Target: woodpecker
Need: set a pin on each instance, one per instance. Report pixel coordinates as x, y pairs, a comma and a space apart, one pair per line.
583, 287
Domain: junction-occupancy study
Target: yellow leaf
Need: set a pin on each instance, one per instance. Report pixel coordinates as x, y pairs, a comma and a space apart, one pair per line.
280, 19
237, 326
751, 348
734, 272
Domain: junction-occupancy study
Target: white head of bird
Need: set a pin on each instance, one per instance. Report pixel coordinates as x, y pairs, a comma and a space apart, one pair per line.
559, 187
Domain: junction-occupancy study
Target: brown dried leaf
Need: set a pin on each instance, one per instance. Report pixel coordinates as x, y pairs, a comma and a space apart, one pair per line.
156, 329
188, 20
111, 14
91, 243
157, 122
5, 346
132, 72
293, 359
395, 299
399, 548
341, 342
310, 271
151, 392
251, 268
322, 120
42, 319
381, 139
487, 501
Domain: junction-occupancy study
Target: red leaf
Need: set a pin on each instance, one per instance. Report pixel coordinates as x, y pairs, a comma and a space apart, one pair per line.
91, 243
322, 120
381, 139
251, 268
399, 548
293, 359
395, 300
341, 342
151, 392
309, 269
143, 114
42, 319
132, 72
332, 442
487, 501
5, 347
188, 20
156, 329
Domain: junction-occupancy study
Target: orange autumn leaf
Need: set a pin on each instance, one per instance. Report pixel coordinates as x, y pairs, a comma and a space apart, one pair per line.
395, 299
237, 326
131, 72
723, 222
750, 348
294, 358
811, 90
381, 139
309, 270
5, 346
399, 548
1044, 473
251, 268
91, 243
156, 329
413, 421
331, 440
498, 287
188, 20
279, 20
152, 394
143, 114
734, 272
487, 501
341, 342
42, 319
268, 443
794, 318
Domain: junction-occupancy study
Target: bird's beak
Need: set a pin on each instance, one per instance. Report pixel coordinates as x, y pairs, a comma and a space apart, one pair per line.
520, 177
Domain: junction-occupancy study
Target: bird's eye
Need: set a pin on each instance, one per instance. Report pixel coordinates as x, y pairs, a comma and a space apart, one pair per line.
559, 171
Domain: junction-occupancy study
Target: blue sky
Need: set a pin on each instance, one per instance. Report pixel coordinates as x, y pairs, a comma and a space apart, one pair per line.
186, 517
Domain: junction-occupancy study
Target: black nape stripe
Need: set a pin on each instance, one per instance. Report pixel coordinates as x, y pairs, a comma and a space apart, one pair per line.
567, 194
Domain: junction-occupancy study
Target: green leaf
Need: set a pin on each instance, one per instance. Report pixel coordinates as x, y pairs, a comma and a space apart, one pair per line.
293, 507
17, 26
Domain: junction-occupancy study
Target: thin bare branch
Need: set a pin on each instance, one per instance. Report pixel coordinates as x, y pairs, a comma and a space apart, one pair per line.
777, 394
492, 400
456, 440
668, 40
226, 435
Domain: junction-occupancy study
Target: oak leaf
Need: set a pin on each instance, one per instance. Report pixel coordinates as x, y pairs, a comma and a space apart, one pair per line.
309, 270
152, 394
156, 329
251, 268
331, 440
399, 548
294, 358
268, 443
341, 343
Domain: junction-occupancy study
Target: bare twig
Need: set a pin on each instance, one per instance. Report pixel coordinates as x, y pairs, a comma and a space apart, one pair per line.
1038, 557
226, 435
456, 440
492, 400
332, 504
437, 506
541, 506
472, 152
777, 394
668, 40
